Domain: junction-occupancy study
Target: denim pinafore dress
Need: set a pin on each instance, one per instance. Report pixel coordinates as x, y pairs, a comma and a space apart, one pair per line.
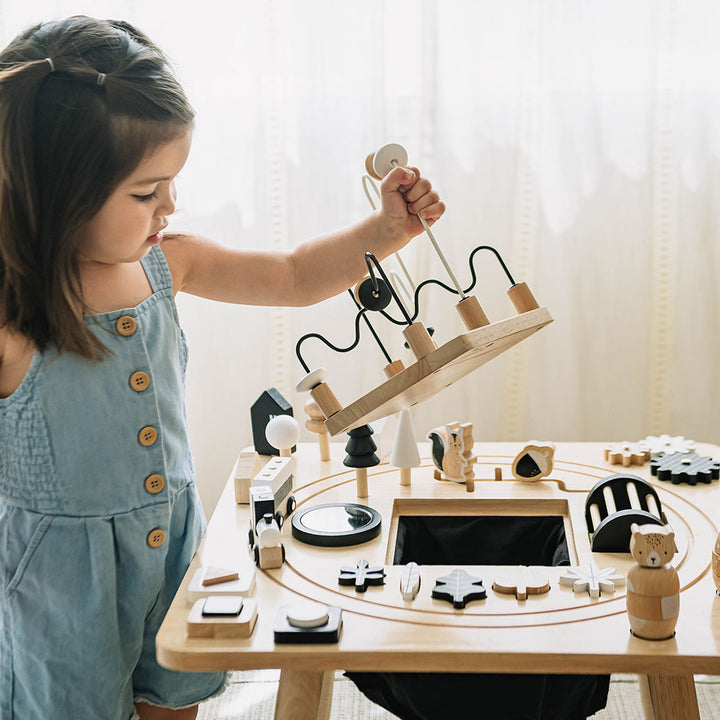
99, 519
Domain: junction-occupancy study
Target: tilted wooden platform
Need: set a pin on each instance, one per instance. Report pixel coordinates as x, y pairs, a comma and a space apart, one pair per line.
436, 371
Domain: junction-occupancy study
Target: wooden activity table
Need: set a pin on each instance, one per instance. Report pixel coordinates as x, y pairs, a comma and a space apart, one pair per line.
559, 632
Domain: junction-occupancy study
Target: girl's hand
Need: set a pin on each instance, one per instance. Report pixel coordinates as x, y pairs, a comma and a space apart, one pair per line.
405, 194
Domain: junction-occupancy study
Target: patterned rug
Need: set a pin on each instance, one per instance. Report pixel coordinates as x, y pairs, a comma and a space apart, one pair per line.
251, 696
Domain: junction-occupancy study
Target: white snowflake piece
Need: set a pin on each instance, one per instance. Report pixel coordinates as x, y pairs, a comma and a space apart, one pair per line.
589, 577
667, 444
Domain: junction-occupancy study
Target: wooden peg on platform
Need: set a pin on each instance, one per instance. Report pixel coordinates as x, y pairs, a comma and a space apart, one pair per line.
316, 425
522, 298
405, 453
314, 383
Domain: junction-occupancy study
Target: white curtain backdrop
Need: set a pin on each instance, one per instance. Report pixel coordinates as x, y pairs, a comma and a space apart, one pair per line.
581, 139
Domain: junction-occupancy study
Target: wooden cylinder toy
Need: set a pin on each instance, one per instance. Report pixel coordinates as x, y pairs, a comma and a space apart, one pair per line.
419, 340
393, 368
653, 586
326, 400
498, 474
522, 298
716, 564
472, 313
653, 601
405, 476
361, 481
369, 167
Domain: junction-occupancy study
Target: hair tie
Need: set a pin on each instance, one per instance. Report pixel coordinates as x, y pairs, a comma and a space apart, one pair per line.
51, 63
101, 78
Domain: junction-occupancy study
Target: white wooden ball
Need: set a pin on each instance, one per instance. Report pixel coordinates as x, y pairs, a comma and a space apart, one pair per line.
283, 431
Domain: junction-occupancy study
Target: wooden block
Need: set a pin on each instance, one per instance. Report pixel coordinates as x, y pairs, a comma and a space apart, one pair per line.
248, 464
240, 626
215, 576
270, 557
440, 368
243, 585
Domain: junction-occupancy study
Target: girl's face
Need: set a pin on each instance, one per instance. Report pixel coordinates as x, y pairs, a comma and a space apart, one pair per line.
132, 219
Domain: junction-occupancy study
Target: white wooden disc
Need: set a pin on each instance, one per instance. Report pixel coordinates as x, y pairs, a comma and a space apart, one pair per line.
311, 380
307, 615
383, 160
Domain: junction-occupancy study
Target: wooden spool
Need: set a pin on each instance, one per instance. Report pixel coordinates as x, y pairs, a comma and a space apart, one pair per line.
393, 368
522, 298
472, 313
419, 340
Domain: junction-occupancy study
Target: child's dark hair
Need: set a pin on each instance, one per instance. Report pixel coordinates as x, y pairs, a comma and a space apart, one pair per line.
82, 102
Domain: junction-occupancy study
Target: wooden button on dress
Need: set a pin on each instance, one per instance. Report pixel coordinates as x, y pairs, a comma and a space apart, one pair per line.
147, 436
154, 483
139, 381
156, 538
126, 325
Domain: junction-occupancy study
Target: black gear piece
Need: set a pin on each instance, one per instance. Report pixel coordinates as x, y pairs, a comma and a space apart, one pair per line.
689, 468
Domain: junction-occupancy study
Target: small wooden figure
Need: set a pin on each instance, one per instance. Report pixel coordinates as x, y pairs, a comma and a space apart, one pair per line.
533, 462
521, 582
316, 425
626, 454
588, 577
269, 405
459, 588
361, 455
410, 581
653, 586
452, 453
361, 576
405, 453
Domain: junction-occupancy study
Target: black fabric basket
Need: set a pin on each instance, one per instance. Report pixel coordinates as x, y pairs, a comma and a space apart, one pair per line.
481, 540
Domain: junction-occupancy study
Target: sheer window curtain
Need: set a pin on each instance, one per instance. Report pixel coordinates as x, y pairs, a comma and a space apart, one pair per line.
581, 139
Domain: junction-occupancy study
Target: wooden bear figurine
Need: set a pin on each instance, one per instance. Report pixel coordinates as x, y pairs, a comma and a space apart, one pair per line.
653, 587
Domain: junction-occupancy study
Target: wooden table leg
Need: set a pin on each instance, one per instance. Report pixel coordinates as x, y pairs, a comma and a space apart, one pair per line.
304, 695
669, 697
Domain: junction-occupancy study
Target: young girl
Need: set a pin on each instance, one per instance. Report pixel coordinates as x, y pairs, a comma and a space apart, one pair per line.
99, 515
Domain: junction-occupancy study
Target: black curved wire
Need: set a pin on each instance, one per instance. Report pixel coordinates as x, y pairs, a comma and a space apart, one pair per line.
370, 327
432, 281
328, 343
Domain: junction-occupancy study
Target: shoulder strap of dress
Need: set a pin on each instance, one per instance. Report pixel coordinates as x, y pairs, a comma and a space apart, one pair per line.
157, 269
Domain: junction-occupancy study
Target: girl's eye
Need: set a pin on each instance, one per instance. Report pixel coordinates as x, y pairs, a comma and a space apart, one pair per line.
146, 198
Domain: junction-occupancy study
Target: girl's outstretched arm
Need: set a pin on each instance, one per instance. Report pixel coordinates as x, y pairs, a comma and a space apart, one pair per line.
315, 269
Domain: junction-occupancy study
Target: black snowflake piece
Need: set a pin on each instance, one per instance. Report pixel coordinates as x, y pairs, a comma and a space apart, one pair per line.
361, 576
459, 588
685, 467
